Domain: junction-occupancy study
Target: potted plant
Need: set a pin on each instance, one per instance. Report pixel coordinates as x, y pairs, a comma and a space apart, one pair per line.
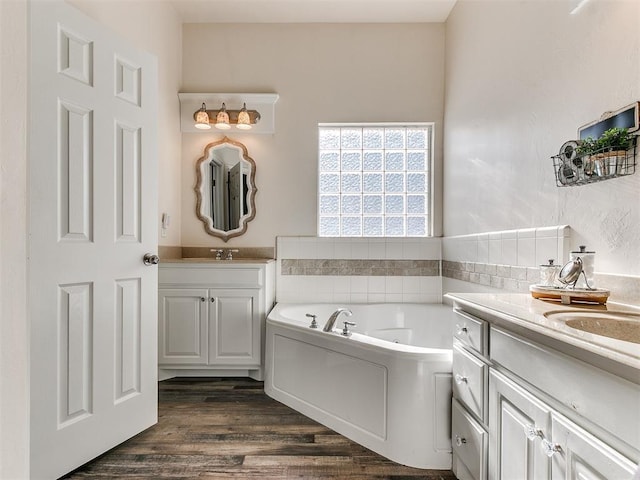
606, 155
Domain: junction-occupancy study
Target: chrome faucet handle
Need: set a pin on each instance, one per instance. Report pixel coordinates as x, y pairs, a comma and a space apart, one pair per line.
314, 324
230, 253
219, 253
345, 330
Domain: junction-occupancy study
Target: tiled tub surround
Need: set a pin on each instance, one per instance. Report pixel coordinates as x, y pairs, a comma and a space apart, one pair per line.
313, 269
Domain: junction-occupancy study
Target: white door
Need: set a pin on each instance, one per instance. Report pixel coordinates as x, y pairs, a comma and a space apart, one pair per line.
93, 207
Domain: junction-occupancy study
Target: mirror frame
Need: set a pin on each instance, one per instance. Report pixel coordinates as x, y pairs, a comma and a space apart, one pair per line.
251, 194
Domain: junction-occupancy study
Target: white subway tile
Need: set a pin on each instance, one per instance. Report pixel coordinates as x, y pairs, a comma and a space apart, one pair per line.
359, 284
545, 232
393, 285
308, 247
526, 233
410, 285
495, 250
393, 297
483, 249
526, 251
393, 250
325, 248
377, 284
341, 284
342, 250
376, 298
359, 249
509, 234
509, 254
341, 297
359, 297
431, 249
377, 250
546, 248
412, 251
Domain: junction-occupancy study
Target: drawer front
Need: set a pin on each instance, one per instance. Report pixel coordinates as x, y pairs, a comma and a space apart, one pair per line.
470, 381
211, 276
471, 331
469, 442
580, 387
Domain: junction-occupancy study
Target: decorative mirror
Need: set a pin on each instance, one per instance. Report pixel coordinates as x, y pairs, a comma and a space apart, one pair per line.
225, 188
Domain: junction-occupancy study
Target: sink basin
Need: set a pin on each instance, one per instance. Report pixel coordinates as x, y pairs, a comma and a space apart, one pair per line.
619, 325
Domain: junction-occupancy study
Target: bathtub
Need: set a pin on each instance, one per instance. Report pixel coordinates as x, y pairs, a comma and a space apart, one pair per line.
386, 387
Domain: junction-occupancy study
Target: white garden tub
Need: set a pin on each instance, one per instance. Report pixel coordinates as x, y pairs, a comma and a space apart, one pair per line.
387, 386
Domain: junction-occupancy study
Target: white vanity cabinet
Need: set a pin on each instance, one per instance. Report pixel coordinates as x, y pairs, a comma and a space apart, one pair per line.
212, 317
549, 415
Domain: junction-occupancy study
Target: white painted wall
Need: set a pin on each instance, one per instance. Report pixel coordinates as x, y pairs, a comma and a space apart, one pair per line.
521, 77
154, 27
323, 73
14, 333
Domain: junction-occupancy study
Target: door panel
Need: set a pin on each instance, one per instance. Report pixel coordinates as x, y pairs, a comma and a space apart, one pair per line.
513, 411
93, 308
234, 332
182, 335
584, 457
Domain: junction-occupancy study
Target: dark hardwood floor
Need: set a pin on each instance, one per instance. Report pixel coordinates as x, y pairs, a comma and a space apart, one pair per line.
228, 428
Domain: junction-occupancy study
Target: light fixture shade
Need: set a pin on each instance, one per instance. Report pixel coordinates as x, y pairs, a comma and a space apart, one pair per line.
222, 119
244, 121
202, 119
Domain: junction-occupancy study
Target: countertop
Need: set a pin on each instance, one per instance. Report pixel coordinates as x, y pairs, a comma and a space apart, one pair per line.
524, 311
207, 260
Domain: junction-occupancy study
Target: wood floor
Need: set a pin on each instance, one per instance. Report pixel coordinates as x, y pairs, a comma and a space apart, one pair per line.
228, 428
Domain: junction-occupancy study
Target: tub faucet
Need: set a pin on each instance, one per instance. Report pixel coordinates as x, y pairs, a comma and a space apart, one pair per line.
328, 327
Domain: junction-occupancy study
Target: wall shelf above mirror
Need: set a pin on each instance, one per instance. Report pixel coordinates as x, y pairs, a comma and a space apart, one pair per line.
225, 188
262, 103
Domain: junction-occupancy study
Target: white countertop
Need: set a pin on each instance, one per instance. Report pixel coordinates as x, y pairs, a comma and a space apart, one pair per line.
523, 310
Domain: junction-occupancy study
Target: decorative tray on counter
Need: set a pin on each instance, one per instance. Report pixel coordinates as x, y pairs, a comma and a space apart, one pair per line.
570, 295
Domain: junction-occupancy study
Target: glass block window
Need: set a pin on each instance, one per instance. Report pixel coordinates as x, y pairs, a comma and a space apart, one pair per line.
374, 180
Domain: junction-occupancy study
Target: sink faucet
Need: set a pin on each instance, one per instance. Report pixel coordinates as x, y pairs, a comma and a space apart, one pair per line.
230, 253
328, 327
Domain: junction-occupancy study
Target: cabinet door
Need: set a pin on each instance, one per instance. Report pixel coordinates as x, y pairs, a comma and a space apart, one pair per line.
234, 327
518, 423
581, 456
182, 328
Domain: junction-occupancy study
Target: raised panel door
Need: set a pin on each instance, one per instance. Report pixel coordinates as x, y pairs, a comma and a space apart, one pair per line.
182, 329
519, 424
234, 327
581, 456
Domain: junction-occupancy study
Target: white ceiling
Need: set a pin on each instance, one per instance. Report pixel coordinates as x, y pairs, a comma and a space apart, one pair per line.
313, 11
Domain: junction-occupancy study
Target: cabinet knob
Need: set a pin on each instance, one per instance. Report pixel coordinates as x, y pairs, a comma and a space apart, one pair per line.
549, 448
462, 330
461, 379
532, 432
202, 299
213, 299
460, 440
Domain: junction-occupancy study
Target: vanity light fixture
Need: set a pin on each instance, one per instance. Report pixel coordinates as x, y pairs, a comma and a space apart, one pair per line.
243, 119
202, 119
222, 119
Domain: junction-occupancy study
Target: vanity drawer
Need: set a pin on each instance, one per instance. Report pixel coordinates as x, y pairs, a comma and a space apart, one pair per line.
471, 331
469, 442
469, 380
